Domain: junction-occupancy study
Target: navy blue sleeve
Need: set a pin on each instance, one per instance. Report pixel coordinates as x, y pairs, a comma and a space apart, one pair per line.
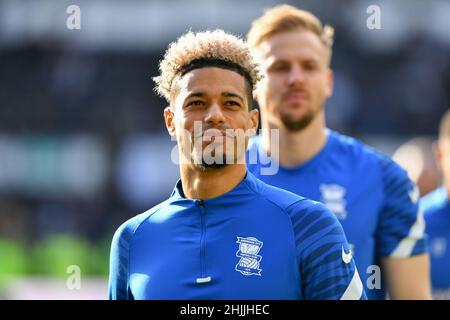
327, 268
118, 287
401, 228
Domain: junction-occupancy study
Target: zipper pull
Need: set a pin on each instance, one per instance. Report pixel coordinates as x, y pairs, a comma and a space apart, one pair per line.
199, 202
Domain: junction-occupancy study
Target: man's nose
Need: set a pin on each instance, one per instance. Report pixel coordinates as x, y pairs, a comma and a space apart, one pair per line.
215, 114
296, 75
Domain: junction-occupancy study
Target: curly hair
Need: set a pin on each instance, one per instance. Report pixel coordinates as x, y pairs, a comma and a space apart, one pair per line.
202, 49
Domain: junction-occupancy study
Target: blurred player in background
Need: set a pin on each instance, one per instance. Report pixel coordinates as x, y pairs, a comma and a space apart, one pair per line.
437, 216
223, 234
416, 157
370, 194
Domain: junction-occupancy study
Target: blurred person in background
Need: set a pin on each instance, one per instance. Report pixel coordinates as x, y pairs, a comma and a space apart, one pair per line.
437, 216
371, 195
223, 234
416, 157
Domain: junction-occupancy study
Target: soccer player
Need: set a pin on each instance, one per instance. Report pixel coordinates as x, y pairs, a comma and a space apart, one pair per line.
223, 234
372, 196
437, 216
416, 157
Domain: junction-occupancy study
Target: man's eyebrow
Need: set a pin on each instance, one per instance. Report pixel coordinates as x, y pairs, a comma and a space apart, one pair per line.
278, 60
232, 95
310, 60
196, 94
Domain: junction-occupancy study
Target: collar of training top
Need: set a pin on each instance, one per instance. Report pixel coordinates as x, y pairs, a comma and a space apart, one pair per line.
249, 186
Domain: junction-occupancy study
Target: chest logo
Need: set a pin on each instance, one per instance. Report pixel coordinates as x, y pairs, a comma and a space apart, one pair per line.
333, 196
249, 258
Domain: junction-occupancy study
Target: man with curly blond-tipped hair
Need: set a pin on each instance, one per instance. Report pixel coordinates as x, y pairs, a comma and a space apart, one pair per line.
223, 234
370, 194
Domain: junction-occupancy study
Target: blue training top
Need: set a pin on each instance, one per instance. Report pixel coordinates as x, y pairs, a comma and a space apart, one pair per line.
370, 194
254, 242
436, 206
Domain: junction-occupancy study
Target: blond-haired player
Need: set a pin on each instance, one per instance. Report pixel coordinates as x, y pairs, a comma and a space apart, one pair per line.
372, 196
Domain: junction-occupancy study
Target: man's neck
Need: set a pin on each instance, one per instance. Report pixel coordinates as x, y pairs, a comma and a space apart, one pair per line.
447, 189
210, 183
297, 147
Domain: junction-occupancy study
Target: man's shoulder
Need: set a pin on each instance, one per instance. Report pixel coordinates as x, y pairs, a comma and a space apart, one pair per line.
361, 152
128, 228
294, 205
434, 201
354, 147
280, 197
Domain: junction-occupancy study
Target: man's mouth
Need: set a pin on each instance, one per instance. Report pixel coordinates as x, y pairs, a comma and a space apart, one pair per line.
214, 138
296, 97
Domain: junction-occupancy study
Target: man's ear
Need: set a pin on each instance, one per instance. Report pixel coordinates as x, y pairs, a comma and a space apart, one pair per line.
169, 119
254, 119
437, 151
330, 83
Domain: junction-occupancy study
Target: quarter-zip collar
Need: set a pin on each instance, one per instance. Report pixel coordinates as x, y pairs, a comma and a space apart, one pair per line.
249, 186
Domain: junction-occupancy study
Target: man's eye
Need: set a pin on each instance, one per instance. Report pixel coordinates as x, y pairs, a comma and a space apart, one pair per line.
195, 103
280, 67
310, 66
232, 103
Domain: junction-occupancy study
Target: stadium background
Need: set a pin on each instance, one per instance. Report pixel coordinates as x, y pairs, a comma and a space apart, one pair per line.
82, 141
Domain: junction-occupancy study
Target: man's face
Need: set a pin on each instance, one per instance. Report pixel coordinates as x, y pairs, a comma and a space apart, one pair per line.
297, 79
443, 157
209, 107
